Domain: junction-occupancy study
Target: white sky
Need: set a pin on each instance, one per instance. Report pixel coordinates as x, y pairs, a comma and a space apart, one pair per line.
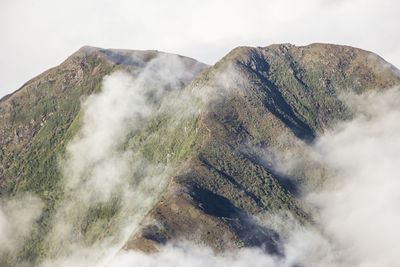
38, 34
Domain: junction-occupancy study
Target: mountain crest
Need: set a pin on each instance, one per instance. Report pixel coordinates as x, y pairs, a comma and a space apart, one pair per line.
174, 148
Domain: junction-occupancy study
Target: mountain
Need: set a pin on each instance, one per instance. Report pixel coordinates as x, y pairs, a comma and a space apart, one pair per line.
276, 91
194, 148
39, 119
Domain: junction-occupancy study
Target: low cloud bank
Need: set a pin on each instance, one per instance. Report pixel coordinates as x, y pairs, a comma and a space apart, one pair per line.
360, 208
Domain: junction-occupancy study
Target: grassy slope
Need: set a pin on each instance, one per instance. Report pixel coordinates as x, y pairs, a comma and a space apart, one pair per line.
36, 123
39, 120
220, 179
286, 94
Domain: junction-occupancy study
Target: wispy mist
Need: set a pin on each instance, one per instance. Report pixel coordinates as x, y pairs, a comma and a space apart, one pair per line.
100, 169
17, 217
359, 209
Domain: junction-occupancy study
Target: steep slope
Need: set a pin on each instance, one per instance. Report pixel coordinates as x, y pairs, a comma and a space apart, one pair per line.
258, 103
38, 121
111, 138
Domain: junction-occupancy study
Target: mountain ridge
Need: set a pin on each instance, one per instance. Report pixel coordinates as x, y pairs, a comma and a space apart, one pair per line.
215, 138
289, 118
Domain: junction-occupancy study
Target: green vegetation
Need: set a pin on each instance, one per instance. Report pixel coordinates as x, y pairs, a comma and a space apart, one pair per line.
287, 94
40, 120
42, 117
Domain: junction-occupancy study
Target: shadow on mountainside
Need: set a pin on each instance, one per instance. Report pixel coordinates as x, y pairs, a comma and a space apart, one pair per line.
248, 230
276, 103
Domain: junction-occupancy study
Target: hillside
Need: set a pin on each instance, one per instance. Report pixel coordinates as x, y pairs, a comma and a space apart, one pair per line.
194, 148
268, 99
38, 120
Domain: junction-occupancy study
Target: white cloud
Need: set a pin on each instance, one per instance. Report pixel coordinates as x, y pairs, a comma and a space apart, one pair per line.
39, 34
98, 168
360, 209
17, 217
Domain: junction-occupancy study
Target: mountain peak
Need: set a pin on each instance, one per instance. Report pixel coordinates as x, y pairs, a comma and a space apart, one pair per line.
194, 164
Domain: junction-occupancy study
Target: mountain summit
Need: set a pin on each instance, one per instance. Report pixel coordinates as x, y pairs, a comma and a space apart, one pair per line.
137, 149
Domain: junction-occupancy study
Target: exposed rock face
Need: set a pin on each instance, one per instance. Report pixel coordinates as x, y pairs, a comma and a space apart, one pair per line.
252, 101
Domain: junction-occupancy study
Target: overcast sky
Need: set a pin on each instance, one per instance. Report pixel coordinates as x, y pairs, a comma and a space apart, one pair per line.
39, 34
